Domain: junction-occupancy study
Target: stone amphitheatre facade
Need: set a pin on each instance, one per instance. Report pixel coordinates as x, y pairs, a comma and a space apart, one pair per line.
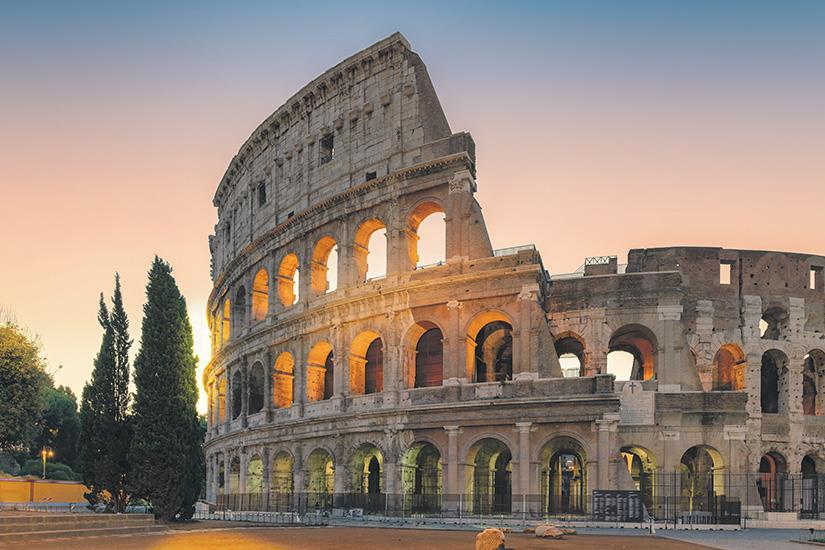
482, 383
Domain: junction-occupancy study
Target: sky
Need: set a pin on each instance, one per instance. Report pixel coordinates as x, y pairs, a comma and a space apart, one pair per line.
599, 126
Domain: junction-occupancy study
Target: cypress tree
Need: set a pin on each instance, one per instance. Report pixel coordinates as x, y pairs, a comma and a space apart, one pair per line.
166, 454
104, 424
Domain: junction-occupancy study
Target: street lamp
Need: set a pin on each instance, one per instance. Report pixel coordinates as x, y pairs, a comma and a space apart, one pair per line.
45, 453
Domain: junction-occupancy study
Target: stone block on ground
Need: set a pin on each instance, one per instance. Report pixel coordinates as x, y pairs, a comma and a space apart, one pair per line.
549, 531
490, 539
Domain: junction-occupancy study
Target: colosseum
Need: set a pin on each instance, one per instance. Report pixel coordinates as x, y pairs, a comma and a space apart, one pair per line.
687, 379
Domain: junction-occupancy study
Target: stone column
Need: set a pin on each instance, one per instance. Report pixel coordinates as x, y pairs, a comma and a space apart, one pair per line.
340, 376
455, 366
605, 425
299, 371
266, 486
456, 217
269, 373
244, 391
524, 366
523, 467
339, 480
452, 483
229, 404
669, 359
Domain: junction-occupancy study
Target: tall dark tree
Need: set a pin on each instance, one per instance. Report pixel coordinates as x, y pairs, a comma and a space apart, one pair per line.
105, 425
166, 454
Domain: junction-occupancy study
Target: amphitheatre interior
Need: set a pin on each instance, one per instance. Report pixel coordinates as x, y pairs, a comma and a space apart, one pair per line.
482, 383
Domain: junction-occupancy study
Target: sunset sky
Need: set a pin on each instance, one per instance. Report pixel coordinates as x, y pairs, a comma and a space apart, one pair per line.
600, 126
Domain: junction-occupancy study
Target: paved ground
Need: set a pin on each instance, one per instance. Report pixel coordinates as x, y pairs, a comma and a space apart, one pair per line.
351, 538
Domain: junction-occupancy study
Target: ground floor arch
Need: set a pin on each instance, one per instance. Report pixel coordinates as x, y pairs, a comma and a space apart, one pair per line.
771, 480
564, 476
701, 478
642, 469
320, 479
421, 478
489, 477
367, 482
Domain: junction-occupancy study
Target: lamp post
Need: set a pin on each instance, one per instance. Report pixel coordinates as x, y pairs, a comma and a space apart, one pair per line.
45, 453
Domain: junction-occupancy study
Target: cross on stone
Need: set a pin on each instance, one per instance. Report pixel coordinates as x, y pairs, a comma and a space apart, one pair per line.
633, 385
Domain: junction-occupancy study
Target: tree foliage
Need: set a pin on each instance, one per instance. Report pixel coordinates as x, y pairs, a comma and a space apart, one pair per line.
166, 454
59, 426
22, 384
104, 412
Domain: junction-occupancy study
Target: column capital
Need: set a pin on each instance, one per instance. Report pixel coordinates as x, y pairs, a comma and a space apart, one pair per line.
524, 427
454, 304
452, 431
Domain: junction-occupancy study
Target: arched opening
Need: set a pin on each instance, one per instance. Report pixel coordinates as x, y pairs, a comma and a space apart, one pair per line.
221, 478
641, 467
226, 330
367, 364
235, 476
774, 324
427, 235
421, 478
320, 372
813, 374
490, 348
774, 381
702, 478
260, 295
320, 484
772, 469
284, 378
239, 310
255, 481
325, 265
429, 359
256, 388
281, 482
729, 369
288, 280
570, 351
489, 477
237, 393
370, 250
810, 488
563, 463
367, 482
634, 346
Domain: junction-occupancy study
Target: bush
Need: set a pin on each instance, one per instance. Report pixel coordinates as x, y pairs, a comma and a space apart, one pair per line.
54, 470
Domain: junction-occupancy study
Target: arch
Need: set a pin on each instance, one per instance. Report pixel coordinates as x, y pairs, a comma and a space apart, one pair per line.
367, 479
281, 481
774, 323
421, 477
772, 468
367, 363
321, 476
226, 330
729, 367
570, 351
488, 477
235, 476
260, 295
563, 462
702, 478
812, 383
810, 487
237, 393
284, 380
320, 372
361, 251
423, 220
638, 342
642, 468
325, 250
255, 475
239, 310
429, 357
288, 277
490, 347
255, 400
222, 477
774, 382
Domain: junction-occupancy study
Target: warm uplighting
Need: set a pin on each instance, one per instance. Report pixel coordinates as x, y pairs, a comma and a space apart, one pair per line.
46, 453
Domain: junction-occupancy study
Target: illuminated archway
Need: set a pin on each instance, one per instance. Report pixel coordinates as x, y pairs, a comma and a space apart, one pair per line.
633, 348
283, 380
281, 482
367, 250
320, 485
490, 347
288, 277
367, 474
702, 478
564, 476
324, 257
489, 470
570, 351
320, 375
729, 369
427, 220
260, 295
421, 474
367, 364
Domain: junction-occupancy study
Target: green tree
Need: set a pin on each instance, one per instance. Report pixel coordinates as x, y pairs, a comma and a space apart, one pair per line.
166, 453
22, 384
59, 426
105, 424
